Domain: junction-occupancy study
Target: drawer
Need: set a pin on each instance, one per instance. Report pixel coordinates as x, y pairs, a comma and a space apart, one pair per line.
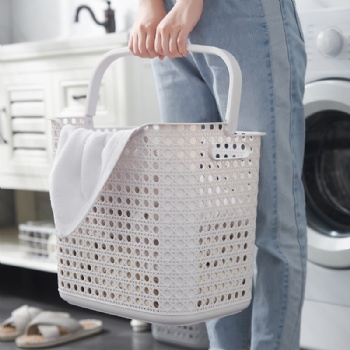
75, 94
70, 92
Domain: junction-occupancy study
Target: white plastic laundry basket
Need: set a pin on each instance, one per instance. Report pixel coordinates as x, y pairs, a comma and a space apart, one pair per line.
192, 336
170, 238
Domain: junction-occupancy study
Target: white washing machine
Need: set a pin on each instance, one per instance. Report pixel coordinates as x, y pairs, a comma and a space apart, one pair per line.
326, 312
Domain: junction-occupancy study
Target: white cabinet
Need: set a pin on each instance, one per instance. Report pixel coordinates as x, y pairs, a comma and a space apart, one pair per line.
41, 81
25, 148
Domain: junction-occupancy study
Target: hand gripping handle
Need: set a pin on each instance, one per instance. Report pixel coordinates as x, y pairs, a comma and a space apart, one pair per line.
234, 89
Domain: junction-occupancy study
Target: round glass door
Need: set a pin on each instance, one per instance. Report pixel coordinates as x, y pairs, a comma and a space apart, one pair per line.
326, 172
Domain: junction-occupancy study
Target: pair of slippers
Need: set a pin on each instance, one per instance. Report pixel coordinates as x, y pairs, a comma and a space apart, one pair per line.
31, 327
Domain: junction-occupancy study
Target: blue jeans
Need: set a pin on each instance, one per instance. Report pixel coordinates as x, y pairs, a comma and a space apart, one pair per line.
266, 39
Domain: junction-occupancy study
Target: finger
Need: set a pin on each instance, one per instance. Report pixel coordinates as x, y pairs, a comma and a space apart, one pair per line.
142, 37
165, 37
135, 46
130, 44
158, 45
173, 47
182, 43
164, 44
150, 41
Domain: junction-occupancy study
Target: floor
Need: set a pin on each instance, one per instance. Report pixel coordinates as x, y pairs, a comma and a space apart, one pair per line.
21, 286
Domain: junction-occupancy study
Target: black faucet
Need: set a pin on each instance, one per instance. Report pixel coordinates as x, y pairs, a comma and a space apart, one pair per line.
109, 22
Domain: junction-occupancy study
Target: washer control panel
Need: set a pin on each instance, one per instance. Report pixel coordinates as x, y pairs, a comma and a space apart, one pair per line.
327, 42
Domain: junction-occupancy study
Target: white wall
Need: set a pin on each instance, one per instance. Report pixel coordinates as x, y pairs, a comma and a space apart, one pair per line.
5, 29
34, 20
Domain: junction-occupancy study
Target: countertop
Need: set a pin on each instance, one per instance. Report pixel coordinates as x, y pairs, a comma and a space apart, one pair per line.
60, 47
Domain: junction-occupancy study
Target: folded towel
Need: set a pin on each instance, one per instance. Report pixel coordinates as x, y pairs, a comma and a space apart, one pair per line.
83, 162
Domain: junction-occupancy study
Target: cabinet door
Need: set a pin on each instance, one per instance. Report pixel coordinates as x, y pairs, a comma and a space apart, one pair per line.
127, 96
25, 152
70, 91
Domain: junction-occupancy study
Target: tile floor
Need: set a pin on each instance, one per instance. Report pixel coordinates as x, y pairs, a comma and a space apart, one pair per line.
21, 286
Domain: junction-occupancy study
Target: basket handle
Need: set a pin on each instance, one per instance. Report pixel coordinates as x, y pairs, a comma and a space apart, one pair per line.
234, 89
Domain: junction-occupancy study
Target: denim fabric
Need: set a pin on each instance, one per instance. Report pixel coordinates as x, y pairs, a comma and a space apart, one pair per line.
266, 39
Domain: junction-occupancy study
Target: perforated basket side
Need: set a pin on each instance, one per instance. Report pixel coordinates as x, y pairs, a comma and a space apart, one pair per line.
170, 238
192, 336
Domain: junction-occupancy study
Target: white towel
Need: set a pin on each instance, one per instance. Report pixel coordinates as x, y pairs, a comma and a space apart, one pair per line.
83, 162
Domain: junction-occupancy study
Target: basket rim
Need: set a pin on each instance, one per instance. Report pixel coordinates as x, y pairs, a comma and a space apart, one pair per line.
238, 133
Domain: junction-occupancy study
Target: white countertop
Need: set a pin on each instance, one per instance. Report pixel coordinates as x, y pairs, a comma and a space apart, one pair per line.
58, 47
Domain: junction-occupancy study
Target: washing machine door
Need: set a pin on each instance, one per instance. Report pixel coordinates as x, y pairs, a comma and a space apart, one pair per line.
326, 172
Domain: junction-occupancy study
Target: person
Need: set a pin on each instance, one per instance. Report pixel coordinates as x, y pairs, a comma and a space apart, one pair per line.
266, 38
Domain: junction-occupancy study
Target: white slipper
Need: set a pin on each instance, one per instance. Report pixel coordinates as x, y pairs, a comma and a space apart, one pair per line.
15, 325
54, 328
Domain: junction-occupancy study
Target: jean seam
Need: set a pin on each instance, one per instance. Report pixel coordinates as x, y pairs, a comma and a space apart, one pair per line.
295, 190
284, 285
286, 274
295, 175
